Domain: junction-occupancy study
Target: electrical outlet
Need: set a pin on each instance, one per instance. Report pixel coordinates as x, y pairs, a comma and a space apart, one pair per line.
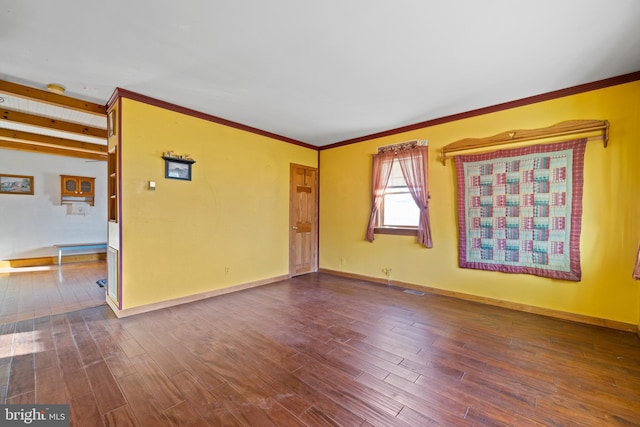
226, 270
387, 271
343, 261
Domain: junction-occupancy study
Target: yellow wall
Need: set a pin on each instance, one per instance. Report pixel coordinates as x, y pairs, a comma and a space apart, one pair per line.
179, 239
610, 222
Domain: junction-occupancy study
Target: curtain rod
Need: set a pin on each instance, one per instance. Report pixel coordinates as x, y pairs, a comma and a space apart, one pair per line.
569, 127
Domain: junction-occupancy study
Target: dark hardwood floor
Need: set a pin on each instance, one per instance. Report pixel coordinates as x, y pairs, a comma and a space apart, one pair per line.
321, 350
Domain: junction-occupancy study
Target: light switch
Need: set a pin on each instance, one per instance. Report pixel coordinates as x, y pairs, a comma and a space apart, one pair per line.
152, 185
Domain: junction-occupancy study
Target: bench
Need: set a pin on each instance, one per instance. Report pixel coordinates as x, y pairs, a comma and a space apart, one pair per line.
77, 247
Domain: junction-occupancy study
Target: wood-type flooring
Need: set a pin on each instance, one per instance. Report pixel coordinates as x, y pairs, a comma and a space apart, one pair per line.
31, 292
321, 350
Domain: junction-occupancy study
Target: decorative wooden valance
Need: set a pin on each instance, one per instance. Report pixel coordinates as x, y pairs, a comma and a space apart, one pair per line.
570, 127
401, 146
398, 147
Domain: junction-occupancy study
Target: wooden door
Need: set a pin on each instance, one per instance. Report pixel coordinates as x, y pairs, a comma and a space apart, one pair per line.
303, 220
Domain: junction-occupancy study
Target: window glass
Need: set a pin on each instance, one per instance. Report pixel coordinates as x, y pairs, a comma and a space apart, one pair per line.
398, 207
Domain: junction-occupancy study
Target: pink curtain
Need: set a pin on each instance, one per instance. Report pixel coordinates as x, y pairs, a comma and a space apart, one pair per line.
414, 169
636, 270
381, 171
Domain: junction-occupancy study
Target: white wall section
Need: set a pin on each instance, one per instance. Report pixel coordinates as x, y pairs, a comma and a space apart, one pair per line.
31, 224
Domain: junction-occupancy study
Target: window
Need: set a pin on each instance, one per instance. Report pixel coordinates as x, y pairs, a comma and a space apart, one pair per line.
391, 198
398, 209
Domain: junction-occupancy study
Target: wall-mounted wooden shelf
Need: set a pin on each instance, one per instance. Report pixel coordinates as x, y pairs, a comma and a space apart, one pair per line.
570, 127
179, 160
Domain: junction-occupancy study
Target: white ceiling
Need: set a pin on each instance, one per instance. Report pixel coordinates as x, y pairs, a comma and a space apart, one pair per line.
324, 71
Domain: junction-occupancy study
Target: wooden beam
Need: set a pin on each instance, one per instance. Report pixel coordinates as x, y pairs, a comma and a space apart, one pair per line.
63, 101
49, 123
42, 149
51, 141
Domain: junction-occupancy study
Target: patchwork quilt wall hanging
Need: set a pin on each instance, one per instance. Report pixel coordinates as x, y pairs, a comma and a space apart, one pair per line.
520, 210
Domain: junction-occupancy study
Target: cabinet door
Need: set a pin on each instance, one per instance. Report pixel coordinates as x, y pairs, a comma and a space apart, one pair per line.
86, 186
69, 186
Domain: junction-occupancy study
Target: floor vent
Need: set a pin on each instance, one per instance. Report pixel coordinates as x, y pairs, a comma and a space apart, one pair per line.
413, 292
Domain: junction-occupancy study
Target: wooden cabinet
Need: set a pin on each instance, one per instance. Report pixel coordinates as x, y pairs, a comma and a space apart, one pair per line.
74, 189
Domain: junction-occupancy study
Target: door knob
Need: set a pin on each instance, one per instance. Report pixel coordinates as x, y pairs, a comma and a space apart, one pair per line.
294, 228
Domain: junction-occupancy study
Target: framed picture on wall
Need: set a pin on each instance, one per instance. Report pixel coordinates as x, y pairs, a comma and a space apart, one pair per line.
16, 184
177, 169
